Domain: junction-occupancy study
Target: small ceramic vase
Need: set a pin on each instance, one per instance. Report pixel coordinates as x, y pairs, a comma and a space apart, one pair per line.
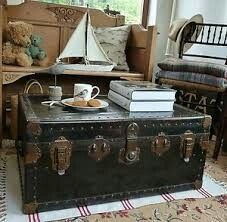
55, 93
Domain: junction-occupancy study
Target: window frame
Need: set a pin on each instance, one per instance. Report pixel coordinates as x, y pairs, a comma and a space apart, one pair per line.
145, 12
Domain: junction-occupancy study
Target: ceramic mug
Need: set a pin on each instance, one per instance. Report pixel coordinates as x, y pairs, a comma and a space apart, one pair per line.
84, 92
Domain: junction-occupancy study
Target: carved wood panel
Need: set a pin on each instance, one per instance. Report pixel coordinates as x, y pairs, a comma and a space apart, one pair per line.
10, 77
60, 14
66, 15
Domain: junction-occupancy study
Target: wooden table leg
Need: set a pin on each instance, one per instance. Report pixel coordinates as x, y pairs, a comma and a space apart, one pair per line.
224, 141
3, 112
1, 77
224, 122
221, 132
14, 117
219, 142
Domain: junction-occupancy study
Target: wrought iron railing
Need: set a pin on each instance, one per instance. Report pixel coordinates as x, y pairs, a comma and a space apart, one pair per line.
204, 34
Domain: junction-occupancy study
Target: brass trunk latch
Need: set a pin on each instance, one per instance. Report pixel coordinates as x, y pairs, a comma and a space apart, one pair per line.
205, 143
160, 144
33, 153
60, 153
99, 149
187, 145
130, 154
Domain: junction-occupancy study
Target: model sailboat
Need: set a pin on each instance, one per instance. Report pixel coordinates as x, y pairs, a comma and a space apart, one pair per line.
83, 43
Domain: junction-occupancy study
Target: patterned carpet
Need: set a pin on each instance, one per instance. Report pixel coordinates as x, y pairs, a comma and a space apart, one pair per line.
213, 209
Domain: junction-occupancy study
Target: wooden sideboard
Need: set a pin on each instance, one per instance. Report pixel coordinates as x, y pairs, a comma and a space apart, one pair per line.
55, 23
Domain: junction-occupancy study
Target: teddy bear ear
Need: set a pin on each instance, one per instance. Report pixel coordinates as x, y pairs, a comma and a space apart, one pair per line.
6, 32
7, 28
10, 26
30, 28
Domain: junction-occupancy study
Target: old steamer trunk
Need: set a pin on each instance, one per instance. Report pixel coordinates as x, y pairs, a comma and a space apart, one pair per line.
71, 158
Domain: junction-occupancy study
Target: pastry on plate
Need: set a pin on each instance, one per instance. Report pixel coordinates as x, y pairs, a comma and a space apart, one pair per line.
78, 103
94, 103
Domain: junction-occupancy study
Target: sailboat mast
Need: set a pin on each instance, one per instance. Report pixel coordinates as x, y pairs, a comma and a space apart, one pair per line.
86, 36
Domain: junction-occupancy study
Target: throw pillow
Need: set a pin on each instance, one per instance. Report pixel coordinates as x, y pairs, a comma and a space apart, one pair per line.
113, 41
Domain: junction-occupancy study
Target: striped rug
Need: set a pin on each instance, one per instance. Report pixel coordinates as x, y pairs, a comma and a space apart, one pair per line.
10, 196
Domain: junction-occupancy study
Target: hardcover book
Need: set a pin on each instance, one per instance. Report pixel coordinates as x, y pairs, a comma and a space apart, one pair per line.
142, 90
141, 106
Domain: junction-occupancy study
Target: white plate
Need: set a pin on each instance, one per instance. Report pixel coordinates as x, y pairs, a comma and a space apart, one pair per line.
104, 104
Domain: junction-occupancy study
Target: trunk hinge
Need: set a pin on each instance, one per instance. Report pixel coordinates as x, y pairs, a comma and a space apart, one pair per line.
130, 154
99, 149
160, 144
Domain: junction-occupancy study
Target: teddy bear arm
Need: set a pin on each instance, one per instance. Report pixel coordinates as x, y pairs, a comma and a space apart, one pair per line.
8, 56
27, 51
41, 55
23, 59
42, 51
34, 50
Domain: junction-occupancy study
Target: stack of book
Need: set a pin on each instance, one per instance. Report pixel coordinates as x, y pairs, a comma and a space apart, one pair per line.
141, 96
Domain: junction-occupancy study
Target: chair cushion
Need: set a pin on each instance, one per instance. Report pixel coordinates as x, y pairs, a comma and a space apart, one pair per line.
113, 41
191, 86
194, 77
181, 65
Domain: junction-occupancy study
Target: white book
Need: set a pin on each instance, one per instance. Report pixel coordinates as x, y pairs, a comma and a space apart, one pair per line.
140, 106
142, 90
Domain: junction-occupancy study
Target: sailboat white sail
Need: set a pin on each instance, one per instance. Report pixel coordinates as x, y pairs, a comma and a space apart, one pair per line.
83, 43
75, 47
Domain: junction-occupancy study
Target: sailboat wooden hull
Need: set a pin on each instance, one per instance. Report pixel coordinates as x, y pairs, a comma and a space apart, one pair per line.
84, 67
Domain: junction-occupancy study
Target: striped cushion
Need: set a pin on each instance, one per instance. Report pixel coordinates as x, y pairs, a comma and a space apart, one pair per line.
181, 65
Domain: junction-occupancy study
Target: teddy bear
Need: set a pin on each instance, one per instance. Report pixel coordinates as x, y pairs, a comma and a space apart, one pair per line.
38, 55
17, 38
